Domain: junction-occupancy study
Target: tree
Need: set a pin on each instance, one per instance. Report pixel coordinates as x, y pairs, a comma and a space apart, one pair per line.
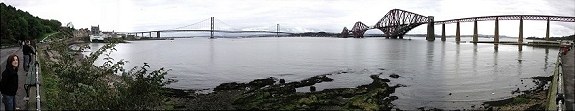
16, 24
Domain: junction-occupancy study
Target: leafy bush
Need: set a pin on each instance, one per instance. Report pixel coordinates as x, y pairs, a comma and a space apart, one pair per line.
73, 82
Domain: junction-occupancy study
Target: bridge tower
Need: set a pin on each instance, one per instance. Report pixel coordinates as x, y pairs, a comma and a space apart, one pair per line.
359, 29
396, 23
212, 28
344, 32
430, 29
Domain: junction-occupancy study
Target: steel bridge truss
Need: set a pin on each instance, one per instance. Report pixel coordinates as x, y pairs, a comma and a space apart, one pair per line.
509, 17
359, 29
344, 32
395, 24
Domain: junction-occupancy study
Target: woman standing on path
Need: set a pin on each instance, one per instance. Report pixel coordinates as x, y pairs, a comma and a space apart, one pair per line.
9, 83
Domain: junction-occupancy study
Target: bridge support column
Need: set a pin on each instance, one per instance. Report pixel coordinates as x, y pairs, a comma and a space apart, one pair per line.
430, 29
442, 32
150, 34
520, 40
158, 34
496, 35
457, 33
547, 32
212, 28
475, 35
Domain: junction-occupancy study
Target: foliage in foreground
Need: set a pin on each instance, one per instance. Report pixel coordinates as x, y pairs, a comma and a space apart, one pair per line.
72, 82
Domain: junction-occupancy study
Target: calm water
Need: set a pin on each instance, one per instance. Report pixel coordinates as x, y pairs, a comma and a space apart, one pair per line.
431, 70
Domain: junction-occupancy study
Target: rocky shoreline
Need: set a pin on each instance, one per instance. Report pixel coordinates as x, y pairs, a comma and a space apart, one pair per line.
273, 93
533, 99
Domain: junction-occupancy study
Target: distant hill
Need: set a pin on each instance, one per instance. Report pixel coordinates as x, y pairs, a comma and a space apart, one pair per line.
16, 24
571, 37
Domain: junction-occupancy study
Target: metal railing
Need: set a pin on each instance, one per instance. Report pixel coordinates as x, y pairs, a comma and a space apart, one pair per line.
556, 100
37, 65
33, 80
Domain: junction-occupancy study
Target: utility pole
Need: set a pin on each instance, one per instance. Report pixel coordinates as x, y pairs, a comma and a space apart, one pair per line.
278, 30
212, 28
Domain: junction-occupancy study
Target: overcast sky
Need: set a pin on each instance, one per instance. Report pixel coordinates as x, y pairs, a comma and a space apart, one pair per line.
295, 15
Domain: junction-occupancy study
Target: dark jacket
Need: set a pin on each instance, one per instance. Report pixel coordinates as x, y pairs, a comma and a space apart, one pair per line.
9, 82
27, 50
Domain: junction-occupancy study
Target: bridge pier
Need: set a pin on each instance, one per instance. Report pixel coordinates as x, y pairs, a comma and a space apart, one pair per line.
496, 35
475, 35
457, 33
442, 32
520, 41
158, 34
150, 34
547, 32
430, 29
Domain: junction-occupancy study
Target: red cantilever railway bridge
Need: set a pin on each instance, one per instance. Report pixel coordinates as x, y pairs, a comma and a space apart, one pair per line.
396, 23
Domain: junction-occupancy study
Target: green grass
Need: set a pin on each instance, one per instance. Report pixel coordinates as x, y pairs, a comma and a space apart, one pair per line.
49, 89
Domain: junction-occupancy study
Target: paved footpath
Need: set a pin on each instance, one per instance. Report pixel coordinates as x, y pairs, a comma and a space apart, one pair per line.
20, 102
569, 79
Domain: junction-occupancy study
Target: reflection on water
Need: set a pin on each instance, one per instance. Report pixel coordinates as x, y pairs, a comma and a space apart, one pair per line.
471, 73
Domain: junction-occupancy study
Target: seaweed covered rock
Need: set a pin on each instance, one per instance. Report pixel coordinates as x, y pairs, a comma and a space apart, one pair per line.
373, 96
258, 83
262, 82
230, 86
394, 75
310, 81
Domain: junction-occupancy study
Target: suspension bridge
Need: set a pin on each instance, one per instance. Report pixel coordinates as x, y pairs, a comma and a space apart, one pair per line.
205, 26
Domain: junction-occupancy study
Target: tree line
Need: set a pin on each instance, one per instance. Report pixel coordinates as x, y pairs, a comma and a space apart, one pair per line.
16, 25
